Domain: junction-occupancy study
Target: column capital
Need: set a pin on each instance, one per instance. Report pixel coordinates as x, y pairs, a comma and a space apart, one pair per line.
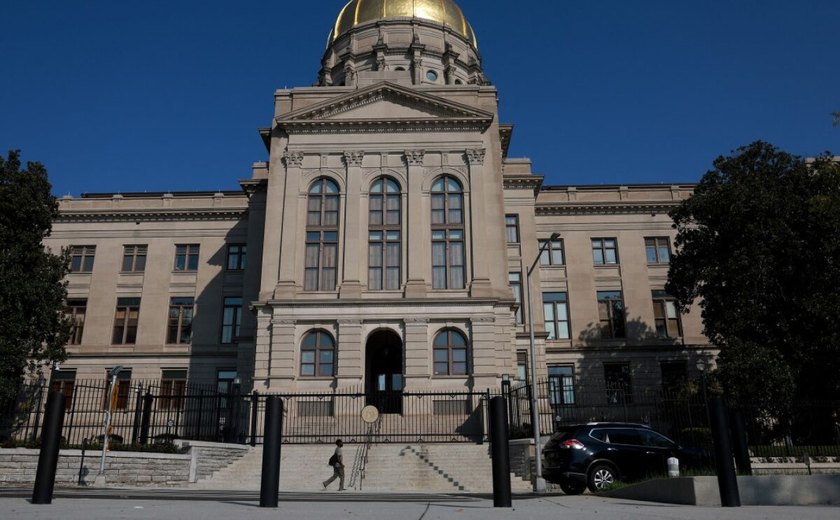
293, 158
414, 157
475, 156
353, 158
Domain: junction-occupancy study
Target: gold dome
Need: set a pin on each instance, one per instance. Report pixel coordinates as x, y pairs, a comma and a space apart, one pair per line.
444, 12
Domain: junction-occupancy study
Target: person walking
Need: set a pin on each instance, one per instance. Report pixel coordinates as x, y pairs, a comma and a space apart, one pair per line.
337, 463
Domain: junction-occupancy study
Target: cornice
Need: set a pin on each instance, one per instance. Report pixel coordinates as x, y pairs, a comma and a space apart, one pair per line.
175, 215
348, 126
523, 182
601, 208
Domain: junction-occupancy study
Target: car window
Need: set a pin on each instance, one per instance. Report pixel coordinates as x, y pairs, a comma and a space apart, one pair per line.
629, 436
651, 438
600, 434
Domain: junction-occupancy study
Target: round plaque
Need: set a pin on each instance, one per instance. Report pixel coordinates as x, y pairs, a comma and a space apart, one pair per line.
370, 414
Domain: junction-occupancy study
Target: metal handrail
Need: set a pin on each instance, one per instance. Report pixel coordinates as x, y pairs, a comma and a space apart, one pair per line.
366, 449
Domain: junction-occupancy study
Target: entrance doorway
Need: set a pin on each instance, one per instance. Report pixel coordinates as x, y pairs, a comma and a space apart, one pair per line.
384, 369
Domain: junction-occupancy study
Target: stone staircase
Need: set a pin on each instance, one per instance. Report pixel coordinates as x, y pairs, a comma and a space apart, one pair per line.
419, 468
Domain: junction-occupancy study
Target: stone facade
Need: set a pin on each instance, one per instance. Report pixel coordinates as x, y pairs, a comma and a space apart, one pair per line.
349, 285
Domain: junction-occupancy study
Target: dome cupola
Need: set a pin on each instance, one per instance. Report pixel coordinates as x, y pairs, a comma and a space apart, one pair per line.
412, 42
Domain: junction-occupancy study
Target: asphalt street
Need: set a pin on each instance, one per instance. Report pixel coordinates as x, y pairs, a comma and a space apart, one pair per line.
176, 504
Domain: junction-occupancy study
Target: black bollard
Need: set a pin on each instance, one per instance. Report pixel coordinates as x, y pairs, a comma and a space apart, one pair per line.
739, 442
145, 423
727, 480
500, 452
270, 485
50, 444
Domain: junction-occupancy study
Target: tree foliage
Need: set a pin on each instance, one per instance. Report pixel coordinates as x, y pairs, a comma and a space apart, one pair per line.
33, 328
758, 244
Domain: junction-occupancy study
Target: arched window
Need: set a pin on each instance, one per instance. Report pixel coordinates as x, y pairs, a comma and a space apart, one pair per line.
448, 260
384, 235
321, 236
450, 353
317, 355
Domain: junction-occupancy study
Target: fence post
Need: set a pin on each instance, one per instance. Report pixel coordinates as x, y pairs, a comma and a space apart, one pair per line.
255, 403
138, 414
148, 401
42, 493
38, 412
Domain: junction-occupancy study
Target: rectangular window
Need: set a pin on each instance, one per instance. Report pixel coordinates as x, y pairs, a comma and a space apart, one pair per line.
134, 259
186, 257
674, 376
122, 390
658, 250
173, 385
231, 319
384, 252
618, 383
512, 228
236, 257
665, 314
515, 280
180, 321
321, 261
611, 314
448, 259
556, 308
225, 380
76, 310
64, 381
553, 254
81, 258
125, 321
561, 384
605, 251
522, 367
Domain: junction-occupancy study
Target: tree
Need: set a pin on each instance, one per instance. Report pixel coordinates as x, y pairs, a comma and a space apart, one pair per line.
758, 244
836, 118
33, 327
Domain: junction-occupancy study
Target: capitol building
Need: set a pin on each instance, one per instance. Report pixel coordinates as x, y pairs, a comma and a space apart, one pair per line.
382, 245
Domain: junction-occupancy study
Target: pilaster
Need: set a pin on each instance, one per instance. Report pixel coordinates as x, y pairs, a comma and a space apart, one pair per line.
418, 362
418, 259
480, 283
352, 252
282, 363
350, 360
288, 272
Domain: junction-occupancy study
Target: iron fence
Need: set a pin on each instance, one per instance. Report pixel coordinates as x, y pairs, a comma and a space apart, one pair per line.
150, 412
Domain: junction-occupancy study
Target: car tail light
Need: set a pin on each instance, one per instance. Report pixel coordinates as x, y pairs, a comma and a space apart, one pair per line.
572, 444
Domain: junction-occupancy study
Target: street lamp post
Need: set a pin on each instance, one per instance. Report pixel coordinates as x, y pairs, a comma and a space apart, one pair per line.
702, 365
539, 481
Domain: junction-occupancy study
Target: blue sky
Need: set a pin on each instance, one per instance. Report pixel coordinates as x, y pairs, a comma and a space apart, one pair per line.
168, 95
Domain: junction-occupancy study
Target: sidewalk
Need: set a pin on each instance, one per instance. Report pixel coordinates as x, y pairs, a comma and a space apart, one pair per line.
317, 506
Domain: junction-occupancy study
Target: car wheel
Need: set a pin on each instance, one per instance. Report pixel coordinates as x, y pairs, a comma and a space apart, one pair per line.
601, 476
572, 488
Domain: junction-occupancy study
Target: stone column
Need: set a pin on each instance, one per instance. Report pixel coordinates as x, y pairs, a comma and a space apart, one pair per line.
418, 235
288, 224
352, 250
418, 361
349, 356
480, 284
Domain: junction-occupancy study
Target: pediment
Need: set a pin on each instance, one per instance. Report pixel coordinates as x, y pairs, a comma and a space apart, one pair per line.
386, 104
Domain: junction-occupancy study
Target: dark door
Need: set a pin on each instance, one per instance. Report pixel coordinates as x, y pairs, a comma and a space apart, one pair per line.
384, 364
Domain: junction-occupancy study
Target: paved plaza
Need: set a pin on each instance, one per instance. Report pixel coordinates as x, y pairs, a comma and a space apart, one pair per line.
223, 506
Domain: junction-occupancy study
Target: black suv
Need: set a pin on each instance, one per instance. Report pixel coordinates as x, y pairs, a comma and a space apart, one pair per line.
598, 454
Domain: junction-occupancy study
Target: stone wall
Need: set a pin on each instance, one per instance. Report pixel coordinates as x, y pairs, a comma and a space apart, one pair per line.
123, 468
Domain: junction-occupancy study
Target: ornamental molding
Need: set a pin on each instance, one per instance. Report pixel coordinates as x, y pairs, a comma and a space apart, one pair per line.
383, 126
604, 208
476, 156
283, 321
293, 159
349, 322
138, 216
418, 321
523, 182
353, 158
414, 157
437, 108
